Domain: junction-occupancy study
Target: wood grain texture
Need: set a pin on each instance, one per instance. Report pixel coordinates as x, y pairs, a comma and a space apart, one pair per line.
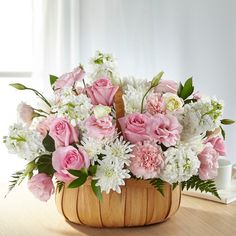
119, 106
138, 204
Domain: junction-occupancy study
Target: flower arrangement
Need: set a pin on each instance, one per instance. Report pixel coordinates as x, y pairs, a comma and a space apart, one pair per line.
109, 129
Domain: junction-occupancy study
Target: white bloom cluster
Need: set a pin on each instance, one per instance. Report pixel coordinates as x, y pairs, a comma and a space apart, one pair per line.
112, 156
134, 90
199, 117
181, 164
103, 65
24, 142
76, 108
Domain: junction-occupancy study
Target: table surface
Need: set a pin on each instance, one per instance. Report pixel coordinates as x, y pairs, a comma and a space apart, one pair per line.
23, 215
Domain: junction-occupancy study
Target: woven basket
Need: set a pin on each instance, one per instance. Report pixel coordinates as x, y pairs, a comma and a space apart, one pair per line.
138, 204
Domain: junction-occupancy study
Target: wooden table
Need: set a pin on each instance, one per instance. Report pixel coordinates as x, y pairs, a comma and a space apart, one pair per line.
23, 215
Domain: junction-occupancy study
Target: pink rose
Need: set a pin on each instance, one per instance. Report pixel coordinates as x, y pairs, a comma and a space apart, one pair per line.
69, 79
99, 128
26, 113
102, 92
164, 129
66, 158
167, 86
63, 132
147, 160
134, 127
209, 162
218, 144
41, 186
155, 104
43, 126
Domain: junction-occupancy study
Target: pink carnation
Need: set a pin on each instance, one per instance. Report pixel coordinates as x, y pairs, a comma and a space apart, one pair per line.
218, 144
102, 92
134, 127
41, 186
155, 104
99, 128
167, 86
165, 129
65, 158
147, 160
209, 162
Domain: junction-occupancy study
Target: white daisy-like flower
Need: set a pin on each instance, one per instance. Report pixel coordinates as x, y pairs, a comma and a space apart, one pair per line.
110, 176
181, 164
76, 108
26, 143
119, 151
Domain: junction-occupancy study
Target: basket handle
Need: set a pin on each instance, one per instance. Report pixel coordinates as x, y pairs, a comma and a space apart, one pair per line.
119, 106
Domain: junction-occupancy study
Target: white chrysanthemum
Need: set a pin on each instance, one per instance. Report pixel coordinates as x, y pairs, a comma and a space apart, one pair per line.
94, 147
76, 108
110, 176
181, 164
199, 117
119, 151
24, 142
103, 65
133, 94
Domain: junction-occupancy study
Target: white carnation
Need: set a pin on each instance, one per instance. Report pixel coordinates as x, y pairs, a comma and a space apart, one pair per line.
181, 164
24, 142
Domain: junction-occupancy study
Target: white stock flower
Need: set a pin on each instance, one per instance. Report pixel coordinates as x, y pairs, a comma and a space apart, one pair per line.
181, 164
100, 111
110, 176
24, 142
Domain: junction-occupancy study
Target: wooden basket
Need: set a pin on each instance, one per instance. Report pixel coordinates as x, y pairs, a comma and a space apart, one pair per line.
138, 204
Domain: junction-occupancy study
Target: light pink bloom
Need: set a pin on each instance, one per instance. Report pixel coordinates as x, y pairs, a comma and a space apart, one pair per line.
167, 86
134, 127
218, 144
99, 128
165, 129
66, 158
43, 126
102, 92
26, 112
63, 132
209, 162
69, 79
41, 186
147, 160
197, 96
155, 104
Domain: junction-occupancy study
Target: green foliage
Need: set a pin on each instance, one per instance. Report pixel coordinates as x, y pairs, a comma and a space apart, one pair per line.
227, 122
53, 79
222, 132
16, 179
44, 164
49, 143
196, 183
156, 79
96, 190
18, 86
186, 90
158, 184
60, 185
92, 170
174, 185
82, 177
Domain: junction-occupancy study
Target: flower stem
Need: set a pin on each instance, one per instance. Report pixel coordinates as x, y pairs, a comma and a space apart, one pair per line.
142, 103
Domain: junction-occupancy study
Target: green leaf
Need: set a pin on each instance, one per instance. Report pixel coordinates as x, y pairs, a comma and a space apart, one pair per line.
79, 181
96, 190
196, 183
187, 89
222, 132
180, 89
174, 185
60, 185
44, 164
227, 122
76, 173
16, 179
18, 86
49, 143
156, 79
53, 79
158, 184
92, 170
